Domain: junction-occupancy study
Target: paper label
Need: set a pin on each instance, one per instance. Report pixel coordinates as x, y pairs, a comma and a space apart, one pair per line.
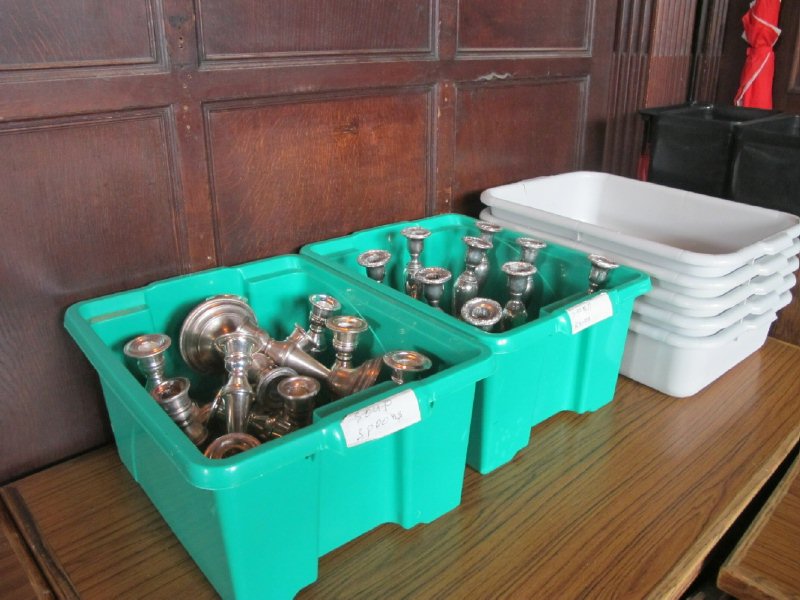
589, 312
381, 419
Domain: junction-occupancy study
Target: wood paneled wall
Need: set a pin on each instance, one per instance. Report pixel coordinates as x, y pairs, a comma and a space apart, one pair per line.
147, 138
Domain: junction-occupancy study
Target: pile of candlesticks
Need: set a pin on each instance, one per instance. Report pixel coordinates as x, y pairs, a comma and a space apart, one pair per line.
468, 303
272, 386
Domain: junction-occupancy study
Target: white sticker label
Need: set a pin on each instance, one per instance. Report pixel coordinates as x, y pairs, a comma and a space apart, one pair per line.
591, 311
381, 419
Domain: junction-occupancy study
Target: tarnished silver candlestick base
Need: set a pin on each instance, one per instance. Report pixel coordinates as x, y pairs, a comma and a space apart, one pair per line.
231, 444
323, 307
237, 395
148, 352
416, 236
598, 274
173, 396
529, 252
432, 280
346, 331
216, 316
466, 286
375, 261
483, 313
406, 364
488, 231
518, 273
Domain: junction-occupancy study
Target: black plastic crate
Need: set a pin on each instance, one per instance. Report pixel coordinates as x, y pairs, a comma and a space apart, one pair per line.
692, 145
766, 165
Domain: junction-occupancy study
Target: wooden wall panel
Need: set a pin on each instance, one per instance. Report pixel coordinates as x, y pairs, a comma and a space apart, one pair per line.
511, 24
48, 34
88, 207
286, 173
671, 52
309, 27
154, 137
501, 138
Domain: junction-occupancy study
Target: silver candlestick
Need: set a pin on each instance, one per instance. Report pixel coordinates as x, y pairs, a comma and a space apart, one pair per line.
483, 313
431, 280
323, 307
173, 396
416, 236
375, 261
237, 394
518, 273
529, 252
598, 274
346, 331
148, 352
405, 364
466, 286
231, 444
488, 231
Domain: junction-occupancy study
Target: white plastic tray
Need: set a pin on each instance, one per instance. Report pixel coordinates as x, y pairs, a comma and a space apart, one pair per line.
711, 307
687, 285
689, 233
682, 366
706, 326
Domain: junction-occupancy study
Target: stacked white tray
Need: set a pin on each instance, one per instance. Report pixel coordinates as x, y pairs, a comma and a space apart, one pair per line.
721, 270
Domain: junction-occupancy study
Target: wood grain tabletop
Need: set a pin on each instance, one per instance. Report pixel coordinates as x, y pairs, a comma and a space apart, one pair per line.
20, 577
625, 502
766, 562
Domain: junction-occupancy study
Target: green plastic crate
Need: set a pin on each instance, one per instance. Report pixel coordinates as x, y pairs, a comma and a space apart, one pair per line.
257, 522
542, 368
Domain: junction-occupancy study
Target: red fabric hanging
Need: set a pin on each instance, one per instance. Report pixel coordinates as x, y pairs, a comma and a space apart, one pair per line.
761, 32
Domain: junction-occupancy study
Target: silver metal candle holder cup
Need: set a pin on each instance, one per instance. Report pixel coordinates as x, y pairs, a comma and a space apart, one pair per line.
375, 261
323, 307
299, 395
406, 364
519, 275
173, 396
466, 286
148, 352
601, 266
231, 444
483, 313
346, 331
431, 280
415, 237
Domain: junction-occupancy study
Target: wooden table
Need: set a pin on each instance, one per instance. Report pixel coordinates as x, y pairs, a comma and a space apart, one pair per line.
624, 502
20, 577
766, 562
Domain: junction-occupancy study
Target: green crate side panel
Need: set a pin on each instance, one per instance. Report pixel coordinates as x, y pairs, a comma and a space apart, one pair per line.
272, 527
189, 511
417, 473
150, 444
506, 408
